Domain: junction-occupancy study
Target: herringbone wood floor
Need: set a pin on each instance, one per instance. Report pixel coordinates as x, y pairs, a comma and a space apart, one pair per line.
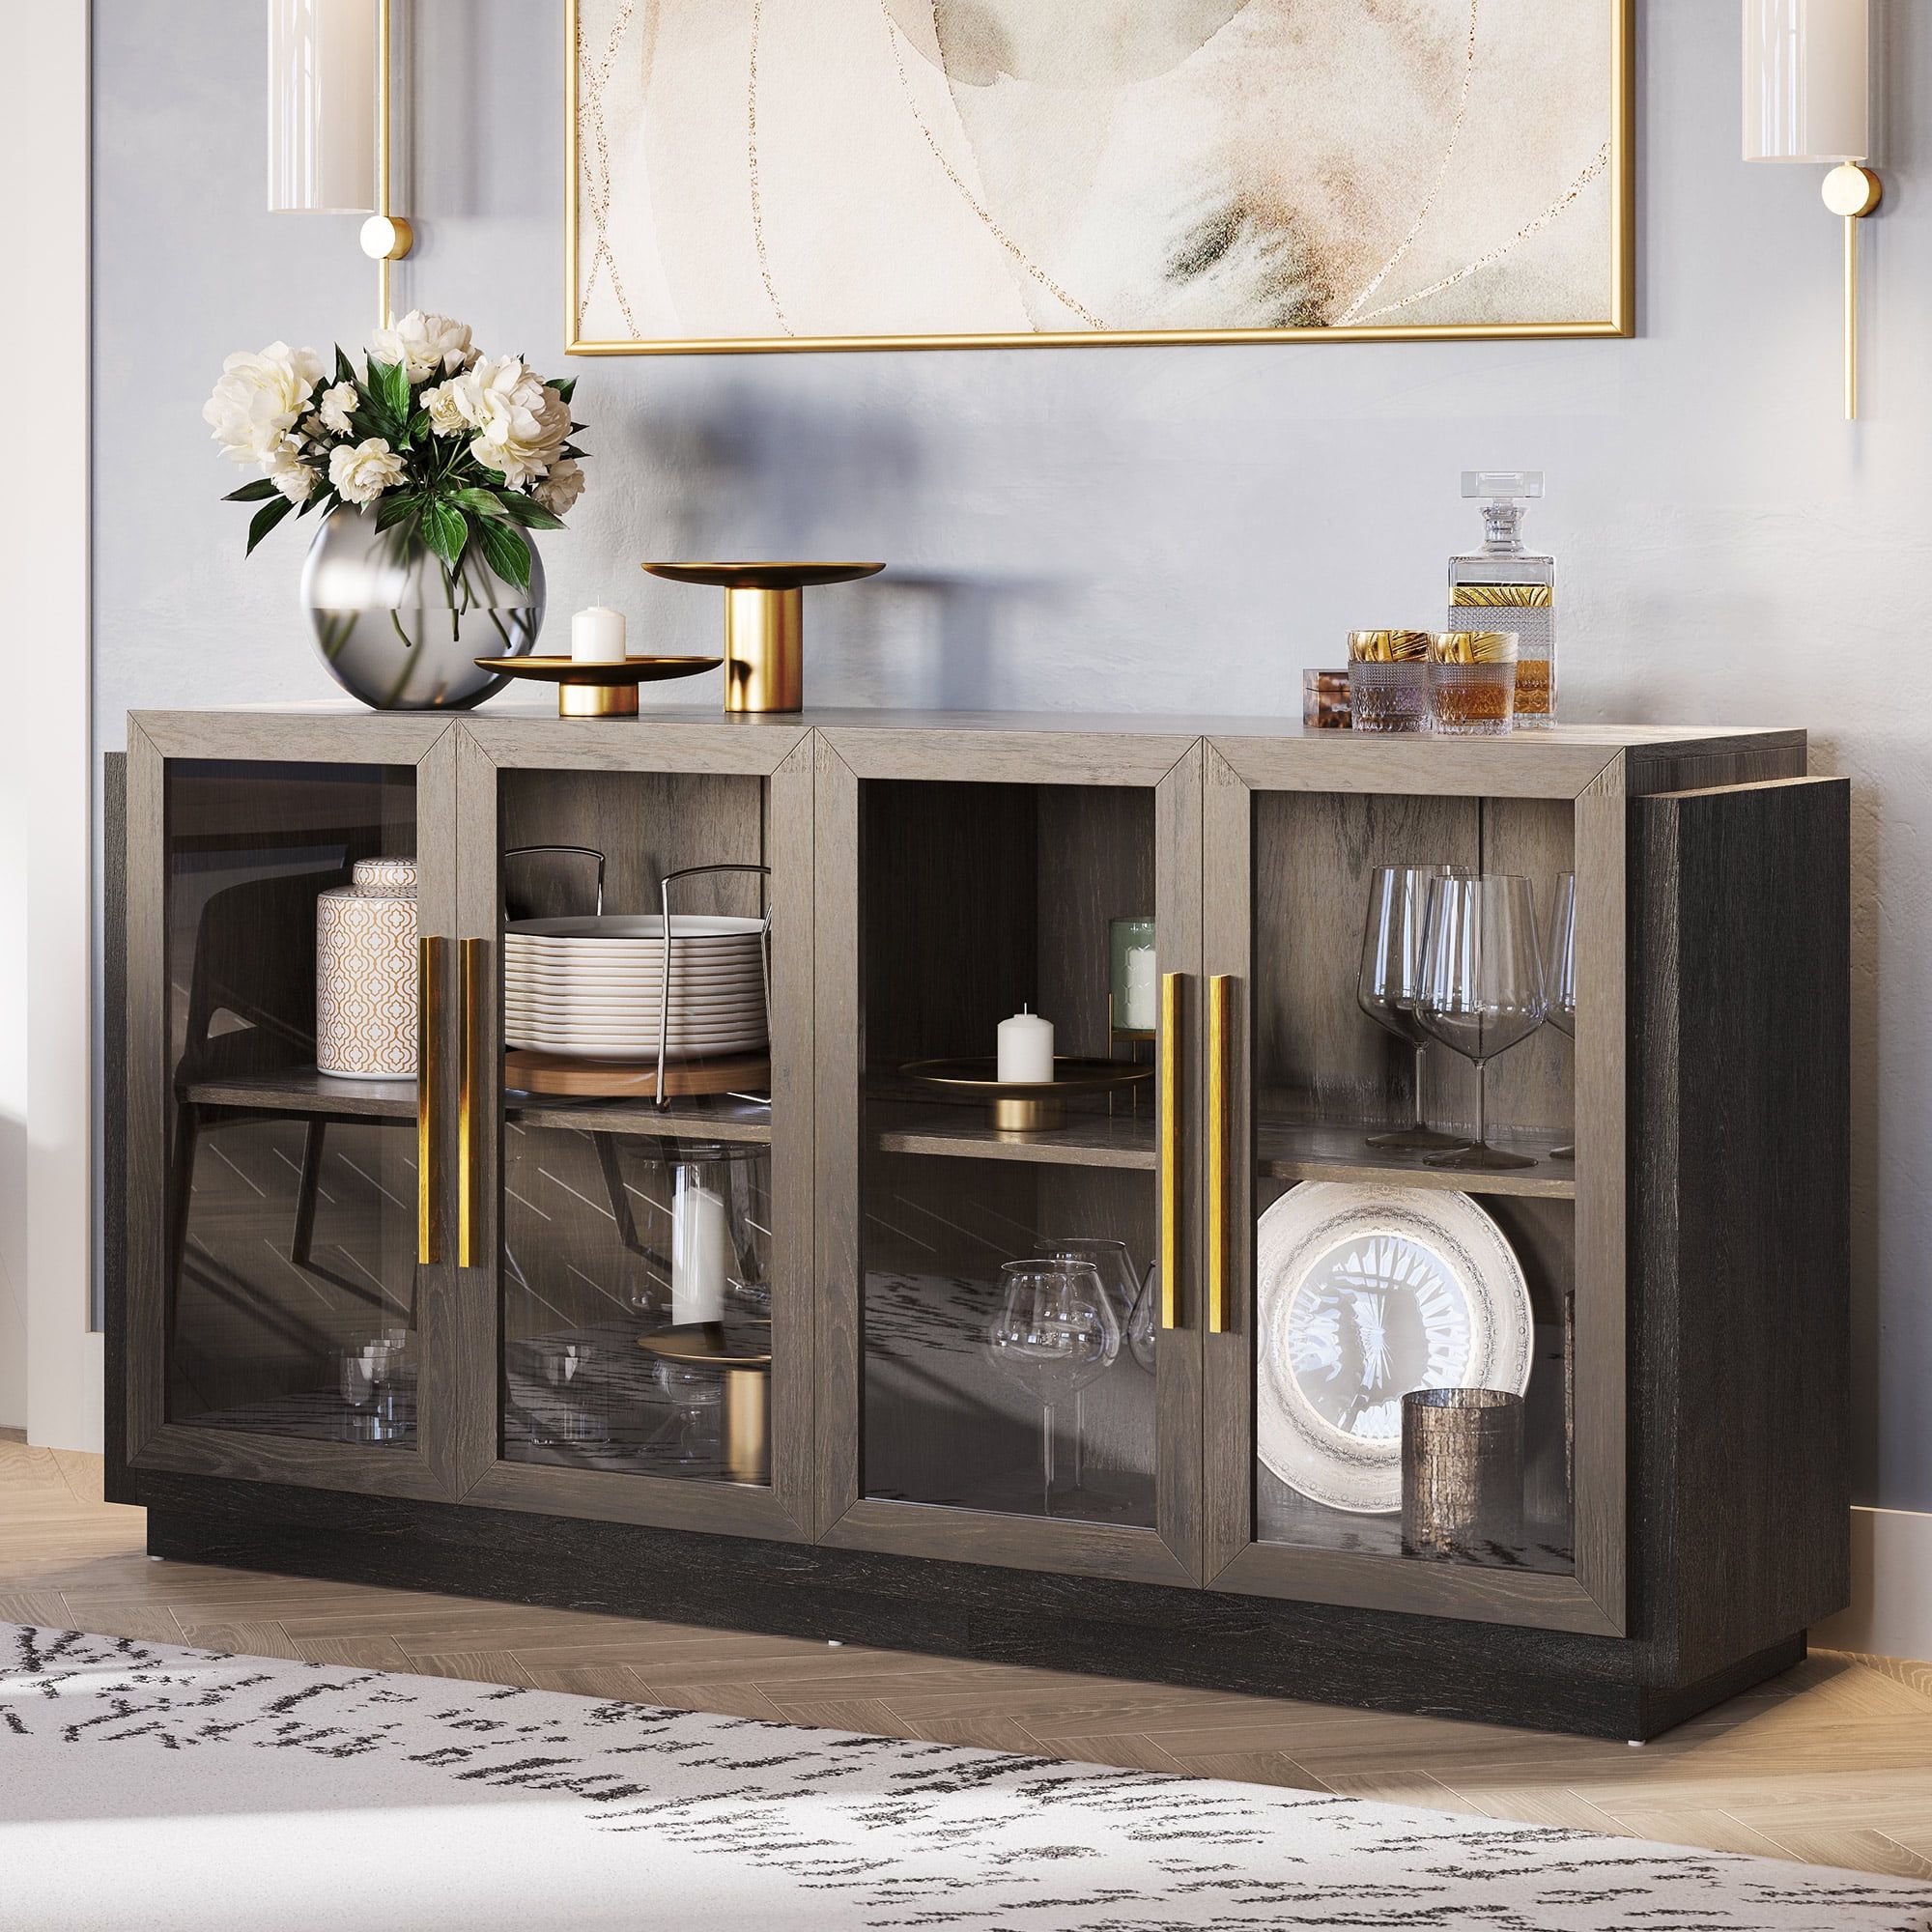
1833, 1764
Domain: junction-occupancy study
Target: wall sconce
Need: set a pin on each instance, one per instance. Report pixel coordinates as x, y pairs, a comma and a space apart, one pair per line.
1807, 97
328, 120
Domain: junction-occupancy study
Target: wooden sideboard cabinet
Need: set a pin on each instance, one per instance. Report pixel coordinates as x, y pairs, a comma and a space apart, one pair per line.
509, 1254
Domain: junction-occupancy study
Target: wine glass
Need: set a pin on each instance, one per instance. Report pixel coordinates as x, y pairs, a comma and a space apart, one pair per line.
571, 1409
1144, 1322
1482, 986
1055, 1331
1390, 979
1122, 1279
1562, 987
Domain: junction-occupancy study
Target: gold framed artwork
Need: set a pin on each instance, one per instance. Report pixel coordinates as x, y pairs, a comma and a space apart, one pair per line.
758, 175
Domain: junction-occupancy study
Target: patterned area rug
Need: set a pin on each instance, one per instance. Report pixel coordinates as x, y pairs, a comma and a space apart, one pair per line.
167, 1789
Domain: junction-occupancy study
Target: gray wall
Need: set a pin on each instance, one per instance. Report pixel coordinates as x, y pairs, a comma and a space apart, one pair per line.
1135, 528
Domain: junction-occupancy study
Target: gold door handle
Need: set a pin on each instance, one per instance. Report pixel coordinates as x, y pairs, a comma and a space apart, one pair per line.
429, 1080
1171, 1231
1220, 988
472, 963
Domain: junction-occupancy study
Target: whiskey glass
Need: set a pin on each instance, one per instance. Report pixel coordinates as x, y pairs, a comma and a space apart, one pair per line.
1481, 987
1472, 683
1388, 680
1389, 982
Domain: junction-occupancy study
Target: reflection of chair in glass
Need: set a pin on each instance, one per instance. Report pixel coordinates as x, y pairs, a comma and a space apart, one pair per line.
250, 1013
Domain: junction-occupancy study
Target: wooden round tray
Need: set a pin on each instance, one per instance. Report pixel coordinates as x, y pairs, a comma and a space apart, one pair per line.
530, 1071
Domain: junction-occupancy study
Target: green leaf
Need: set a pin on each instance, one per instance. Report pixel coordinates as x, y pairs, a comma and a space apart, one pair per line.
395, 508
345, 370
265, 519
391, 383
481, 503
527, 511
445, 530
251, 493
418, 427
566, 387
505, 550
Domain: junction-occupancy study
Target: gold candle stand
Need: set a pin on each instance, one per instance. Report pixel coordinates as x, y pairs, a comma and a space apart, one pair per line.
764, 624
590, 688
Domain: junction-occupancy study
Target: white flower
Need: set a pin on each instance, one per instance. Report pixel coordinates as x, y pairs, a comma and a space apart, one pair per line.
260, 399
336, 404
525, 423
425, 345
562, 487
449, 406
293, 477
361, 472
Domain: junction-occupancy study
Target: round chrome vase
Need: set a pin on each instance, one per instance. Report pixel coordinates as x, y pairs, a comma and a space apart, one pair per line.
400, 633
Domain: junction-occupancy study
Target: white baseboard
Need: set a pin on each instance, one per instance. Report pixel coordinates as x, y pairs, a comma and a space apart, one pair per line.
1890, 1613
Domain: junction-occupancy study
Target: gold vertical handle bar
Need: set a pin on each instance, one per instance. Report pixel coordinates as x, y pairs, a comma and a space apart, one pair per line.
472, 963
1219, 991
429, 1079
1170, 1232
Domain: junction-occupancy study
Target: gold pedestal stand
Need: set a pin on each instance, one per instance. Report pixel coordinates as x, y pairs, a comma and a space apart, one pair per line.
747, 1371
764, 624
587, 689
1024, 1106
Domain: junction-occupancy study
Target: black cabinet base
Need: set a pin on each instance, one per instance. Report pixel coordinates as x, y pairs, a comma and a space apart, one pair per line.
1544, 1680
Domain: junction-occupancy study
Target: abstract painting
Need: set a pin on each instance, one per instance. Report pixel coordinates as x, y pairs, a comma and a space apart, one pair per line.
799, 174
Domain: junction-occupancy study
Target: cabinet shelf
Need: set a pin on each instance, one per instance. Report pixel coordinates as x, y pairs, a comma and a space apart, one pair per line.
700, 1118
1284, 1150
1123, 1140
1324, 1150
301, 1090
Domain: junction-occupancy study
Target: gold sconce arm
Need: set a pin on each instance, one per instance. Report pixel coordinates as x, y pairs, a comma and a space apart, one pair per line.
1853, 193
385, 236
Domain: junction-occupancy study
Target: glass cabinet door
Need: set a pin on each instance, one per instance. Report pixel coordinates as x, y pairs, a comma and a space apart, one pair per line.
1023, 1371
1393, 1374
276, 913
641, 1189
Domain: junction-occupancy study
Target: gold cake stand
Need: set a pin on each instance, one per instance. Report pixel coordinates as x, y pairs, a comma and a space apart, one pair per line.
746, 1368
1025, 1107
598, 689
764, 624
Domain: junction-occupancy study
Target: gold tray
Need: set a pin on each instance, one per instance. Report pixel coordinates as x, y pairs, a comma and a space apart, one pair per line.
1025, 1107
599, 689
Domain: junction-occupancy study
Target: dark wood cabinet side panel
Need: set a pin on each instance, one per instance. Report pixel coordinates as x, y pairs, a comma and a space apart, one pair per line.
1740, 1190
114, 1118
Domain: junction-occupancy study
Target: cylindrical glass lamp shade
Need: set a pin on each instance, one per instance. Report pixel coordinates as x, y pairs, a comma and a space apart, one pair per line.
1807, 80
322, 105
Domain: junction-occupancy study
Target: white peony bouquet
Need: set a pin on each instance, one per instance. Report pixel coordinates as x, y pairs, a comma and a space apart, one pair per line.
443, 444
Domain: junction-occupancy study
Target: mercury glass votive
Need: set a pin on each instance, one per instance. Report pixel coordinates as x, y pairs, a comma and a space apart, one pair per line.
1388, 680
1472, 683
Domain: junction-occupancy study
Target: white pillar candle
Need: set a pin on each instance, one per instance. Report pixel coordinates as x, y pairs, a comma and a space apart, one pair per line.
699, 1241
597, 635
1026, 1048
1140, 993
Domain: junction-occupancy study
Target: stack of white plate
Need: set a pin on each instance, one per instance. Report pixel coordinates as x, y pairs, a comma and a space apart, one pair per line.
593, 988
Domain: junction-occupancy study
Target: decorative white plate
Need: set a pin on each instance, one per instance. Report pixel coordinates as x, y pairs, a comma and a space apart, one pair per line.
634, 1010
599, 927
1365, 1292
